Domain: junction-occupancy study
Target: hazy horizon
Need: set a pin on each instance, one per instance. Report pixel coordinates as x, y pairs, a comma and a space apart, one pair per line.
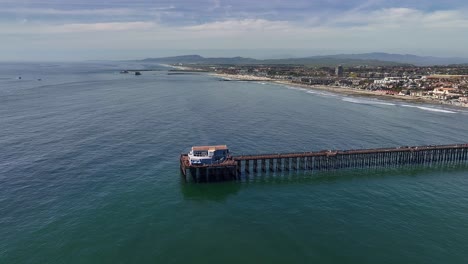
52, 30
254, 54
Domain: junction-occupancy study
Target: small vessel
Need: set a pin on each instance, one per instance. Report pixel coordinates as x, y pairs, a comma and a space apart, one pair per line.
123, 72
207, 155
137, 73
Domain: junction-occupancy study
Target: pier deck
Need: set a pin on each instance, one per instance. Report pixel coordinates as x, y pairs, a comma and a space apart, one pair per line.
326, 160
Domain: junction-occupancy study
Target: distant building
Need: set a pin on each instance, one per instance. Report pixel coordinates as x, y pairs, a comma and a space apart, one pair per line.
418, 93
446, 76
445, 93
388, 80
339, 71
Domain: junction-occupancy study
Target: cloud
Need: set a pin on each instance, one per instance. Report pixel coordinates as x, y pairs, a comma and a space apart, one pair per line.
25, 28
355, 21
401, 18
385, 29
53, 11
216, 4
378, 20
241, 25
115, 26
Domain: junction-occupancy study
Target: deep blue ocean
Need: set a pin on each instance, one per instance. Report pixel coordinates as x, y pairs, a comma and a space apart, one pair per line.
89, 172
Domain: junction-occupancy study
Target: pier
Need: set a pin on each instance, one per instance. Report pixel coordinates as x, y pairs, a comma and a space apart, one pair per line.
329, 160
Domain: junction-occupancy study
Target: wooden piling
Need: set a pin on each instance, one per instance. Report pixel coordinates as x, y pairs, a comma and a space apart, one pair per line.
254, 168
270, 165
286, 164
279, 161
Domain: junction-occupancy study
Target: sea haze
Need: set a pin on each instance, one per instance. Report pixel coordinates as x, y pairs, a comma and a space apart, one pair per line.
89, 172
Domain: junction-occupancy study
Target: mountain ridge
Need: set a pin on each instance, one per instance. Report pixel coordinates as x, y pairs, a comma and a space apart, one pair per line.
403, 58
371, 59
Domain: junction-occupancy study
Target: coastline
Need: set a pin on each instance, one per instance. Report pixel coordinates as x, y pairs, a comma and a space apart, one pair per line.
340, 90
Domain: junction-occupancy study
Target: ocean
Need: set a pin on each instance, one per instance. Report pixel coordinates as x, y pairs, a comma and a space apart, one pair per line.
89, 172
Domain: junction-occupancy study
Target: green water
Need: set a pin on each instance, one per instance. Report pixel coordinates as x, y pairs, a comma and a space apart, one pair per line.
89, 173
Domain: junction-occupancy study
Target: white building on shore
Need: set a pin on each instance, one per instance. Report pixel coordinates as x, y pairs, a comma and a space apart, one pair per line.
388, 80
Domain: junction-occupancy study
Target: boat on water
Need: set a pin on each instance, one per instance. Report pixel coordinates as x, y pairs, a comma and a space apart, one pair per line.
137, 73
208, 155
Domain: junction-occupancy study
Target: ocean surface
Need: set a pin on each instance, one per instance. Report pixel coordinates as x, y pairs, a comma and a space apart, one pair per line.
89, 172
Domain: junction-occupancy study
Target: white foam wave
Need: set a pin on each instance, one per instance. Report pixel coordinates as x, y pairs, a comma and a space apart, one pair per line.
310, 91
322, 93
296, 88
431, 109
367, 102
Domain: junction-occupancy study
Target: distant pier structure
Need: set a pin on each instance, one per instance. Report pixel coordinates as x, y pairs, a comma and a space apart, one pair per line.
214, 163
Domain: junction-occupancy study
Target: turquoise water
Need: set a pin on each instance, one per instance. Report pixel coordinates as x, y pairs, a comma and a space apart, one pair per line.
89, 173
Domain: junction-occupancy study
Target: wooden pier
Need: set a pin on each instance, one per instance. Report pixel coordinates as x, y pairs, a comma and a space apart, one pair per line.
236, 166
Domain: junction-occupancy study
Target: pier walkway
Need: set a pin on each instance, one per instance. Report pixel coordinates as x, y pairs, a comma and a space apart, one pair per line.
235, 166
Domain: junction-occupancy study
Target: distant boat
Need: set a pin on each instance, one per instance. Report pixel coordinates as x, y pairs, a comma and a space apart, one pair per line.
19, 78
137, 73
123, 72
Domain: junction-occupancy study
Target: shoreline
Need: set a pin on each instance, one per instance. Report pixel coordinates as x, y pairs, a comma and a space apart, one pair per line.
340, 90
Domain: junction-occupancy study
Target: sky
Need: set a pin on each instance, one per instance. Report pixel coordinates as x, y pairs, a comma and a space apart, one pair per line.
64, 30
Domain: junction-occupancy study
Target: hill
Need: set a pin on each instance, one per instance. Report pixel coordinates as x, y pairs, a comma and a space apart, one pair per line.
318, 61
370, 59
197, 59
401, 58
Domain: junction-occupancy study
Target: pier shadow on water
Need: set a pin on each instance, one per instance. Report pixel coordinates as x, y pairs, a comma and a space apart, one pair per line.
220, 191
217, 192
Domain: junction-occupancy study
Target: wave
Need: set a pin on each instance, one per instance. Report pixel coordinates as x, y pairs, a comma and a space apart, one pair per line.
366, 102
296, 88
369, 102
431, 109
322, 93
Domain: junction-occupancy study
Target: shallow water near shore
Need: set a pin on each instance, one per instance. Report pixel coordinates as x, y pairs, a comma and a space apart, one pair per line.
89, 172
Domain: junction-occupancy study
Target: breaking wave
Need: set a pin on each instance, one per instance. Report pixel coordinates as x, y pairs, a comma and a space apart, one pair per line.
431, 109
367, 102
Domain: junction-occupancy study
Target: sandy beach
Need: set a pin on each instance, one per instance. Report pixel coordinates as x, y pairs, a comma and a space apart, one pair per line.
339, 90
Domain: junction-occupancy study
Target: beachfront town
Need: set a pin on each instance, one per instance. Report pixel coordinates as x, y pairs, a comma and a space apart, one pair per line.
439, 84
